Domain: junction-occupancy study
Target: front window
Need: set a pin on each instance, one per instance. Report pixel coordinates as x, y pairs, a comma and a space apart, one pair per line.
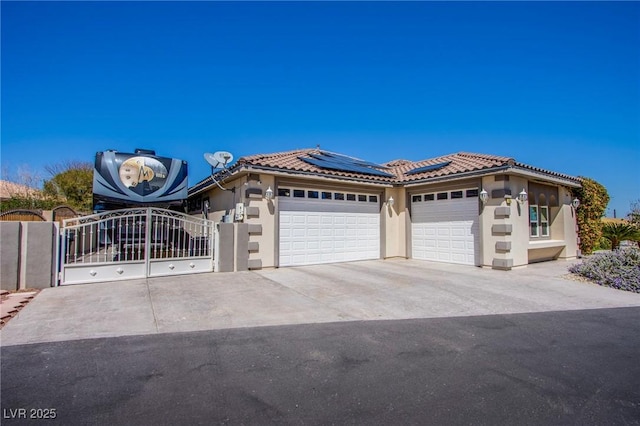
533, 221
544, 221
539, 221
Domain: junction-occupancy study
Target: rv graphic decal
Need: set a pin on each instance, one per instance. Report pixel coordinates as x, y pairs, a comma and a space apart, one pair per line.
139, 179
139, 169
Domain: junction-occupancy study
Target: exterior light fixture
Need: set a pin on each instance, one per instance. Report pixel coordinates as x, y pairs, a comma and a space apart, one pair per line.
507, 199
205, 209
391, 201
575, 203
522, 197
268, 193
484, 196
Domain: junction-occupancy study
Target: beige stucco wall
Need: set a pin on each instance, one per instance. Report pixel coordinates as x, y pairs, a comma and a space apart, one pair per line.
222, 202
393, 223
562, 242
396, 221
267, 219
517, 218
563, 227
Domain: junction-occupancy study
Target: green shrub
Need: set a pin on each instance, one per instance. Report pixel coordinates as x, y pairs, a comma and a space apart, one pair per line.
618, 232
618, 269
593, 203
603, 244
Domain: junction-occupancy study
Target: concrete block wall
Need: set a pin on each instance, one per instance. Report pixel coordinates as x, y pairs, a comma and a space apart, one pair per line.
10, 255
28, 253
233, 248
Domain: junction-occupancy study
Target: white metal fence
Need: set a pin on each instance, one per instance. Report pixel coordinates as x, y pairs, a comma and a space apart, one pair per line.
134, 243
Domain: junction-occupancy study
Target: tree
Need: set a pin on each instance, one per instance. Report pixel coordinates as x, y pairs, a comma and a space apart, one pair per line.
72, 182
593, 203
616, 232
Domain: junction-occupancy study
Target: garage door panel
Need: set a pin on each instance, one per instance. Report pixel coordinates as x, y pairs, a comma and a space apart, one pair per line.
459, 245
298, 233
445, 230
443, 244
298, 245
337, 237
459, 231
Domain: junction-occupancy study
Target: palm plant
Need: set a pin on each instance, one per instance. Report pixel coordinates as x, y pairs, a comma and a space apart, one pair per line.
618, 232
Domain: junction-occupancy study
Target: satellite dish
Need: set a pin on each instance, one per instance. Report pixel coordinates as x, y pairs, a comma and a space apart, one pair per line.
218, 159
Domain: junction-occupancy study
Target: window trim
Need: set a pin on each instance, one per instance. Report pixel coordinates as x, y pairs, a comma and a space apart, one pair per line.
534, 207
543, 233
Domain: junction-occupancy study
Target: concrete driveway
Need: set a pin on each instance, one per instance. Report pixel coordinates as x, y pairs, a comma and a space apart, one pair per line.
380, 290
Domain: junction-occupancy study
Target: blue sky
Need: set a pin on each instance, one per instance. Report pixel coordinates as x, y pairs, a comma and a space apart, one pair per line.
554, 85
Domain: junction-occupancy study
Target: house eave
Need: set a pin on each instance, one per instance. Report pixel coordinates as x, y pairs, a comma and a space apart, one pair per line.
547, 177
286, 173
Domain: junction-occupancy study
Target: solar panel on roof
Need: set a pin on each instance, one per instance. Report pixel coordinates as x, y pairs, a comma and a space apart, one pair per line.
343, 163
429, 168
343, 158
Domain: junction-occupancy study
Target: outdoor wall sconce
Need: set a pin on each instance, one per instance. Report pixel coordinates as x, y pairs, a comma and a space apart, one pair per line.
484, 196
522, 197
205, 209
268, 194
391, 202
575, 203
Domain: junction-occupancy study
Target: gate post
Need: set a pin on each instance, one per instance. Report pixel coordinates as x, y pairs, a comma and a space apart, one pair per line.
224, 247
147, 241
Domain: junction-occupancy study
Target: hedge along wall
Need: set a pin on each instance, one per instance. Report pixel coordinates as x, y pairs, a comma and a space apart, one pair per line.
593, 203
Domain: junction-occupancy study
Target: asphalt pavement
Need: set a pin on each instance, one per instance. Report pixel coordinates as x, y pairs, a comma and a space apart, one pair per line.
569, 368
370, 343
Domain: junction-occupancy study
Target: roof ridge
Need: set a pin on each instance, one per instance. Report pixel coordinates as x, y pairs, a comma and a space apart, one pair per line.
397, 162
245, 158
479, 155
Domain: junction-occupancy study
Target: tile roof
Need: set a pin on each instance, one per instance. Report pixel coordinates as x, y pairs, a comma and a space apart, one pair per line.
291, 161
458, 163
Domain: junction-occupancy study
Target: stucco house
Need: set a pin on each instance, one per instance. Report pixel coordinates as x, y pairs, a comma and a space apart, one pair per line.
311, 206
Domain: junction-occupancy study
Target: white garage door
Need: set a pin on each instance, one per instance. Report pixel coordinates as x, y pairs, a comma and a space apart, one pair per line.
445, 226
327, 227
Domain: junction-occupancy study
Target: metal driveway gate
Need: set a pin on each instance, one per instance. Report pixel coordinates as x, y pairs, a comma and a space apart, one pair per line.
134, 243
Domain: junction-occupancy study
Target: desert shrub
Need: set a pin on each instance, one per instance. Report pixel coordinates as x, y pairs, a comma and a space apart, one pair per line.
618, 269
